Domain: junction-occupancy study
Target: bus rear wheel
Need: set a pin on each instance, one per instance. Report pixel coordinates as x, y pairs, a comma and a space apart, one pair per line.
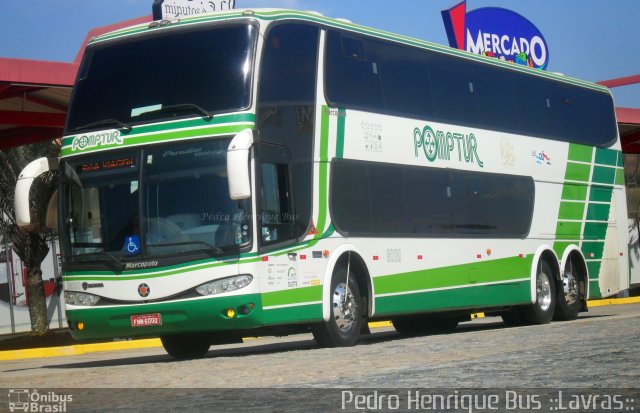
346, 317
185, 347
568, 300
541, 312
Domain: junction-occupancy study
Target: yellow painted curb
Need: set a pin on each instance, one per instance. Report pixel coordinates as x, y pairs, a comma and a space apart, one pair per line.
78, 349
613, 301
380, 324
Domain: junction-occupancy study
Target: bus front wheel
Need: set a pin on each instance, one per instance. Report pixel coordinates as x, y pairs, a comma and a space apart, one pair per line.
184, 347
346, 313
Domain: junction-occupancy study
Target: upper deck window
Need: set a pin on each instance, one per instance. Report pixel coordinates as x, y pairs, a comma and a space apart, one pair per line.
132, 80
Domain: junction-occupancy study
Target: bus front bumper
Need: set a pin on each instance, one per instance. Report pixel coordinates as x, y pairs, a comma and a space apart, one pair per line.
238, 312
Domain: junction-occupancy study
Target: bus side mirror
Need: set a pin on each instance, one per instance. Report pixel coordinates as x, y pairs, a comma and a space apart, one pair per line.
30, 172
238, 165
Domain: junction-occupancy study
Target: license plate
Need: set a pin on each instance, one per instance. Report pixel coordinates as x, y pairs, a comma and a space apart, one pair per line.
146, 320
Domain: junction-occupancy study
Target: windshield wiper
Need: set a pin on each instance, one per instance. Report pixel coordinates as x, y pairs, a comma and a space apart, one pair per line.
183, 107
118, 264
205, 246
105, 122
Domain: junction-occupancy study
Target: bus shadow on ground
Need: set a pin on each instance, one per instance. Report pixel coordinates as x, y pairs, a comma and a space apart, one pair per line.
378, 335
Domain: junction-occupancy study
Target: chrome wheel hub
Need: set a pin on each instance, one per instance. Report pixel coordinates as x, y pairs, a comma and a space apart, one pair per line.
345, 308
543, 291
571, 288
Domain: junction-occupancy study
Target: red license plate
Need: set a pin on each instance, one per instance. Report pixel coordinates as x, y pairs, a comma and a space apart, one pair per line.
146, 320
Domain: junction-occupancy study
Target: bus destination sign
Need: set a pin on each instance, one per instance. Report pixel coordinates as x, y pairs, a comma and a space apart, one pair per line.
178, 9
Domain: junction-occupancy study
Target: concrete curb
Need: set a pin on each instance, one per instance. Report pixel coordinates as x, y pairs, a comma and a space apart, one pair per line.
78, 349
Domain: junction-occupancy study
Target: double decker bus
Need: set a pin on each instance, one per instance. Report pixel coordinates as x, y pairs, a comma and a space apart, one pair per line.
275, 171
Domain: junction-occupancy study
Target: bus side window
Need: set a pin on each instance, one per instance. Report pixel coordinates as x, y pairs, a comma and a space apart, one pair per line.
276, 212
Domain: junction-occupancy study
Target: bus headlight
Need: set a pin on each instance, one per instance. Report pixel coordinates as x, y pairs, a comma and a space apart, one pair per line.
84, 299
225, 285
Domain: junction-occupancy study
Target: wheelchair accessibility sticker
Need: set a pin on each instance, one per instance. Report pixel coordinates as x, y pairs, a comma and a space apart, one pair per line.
132, 244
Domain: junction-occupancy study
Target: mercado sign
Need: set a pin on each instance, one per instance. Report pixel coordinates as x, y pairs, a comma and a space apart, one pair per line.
496, 32
177, 9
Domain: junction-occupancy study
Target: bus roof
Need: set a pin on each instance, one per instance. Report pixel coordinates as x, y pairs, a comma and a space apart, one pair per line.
315, 17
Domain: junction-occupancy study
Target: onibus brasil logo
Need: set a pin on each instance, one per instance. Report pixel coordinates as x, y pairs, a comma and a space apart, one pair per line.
445, 145
25, 400
93, 140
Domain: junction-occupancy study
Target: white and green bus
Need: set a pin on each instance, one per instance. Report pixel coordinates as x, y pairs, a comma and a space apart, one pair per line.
274, 171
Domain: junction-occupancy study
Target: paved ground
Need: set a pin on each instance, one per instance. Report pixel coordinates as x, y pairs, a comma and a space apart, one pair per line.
599, 350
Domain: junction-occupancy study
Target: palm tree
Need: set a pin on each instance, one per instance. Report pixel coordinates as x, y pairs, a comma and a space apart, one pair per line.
29, 243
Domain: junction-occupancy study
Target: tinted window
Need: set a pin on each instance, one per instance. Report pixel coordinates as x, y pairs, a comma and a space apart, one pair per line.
405, 80
452, 82
385, 77
491, 203
378, 199
352, 72
130, 80
350, 197
286, 103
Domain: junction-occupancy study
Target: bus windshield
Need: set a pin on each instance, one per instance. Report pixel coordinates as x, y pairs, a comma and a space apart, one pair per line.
169, 73
156, 202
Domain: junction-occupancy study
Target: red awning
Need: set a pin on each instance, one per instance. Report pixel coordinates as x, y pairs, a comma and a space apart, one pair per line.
34, 94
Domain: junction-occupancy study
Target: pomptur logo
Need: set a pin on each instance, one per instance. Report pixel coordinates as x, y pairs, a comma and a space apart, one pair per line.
94, 140
441, 145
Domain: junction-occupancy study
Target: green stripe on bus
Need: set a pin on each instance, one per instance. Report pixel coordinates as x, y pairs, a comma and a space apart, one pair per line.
580, 153
598, 212
518, 292
568, 230
560, 246
323, 170
454, 276
594, 289
160, 137
592, 250
606, 157
342, 114
601, 193
593, 267
574, 192
577, 172
172, 125
292, 296
603, 175
619, 179
571, 210
595, 230
620, 162
299, 313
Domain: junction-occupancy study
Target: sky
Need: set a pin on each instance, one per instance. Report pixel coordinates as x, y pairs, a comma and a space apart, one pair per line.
587, 39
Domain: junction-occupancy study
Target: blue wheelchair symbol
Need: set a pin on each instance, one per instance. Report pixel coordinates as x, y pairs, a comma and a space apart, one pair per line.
132, 244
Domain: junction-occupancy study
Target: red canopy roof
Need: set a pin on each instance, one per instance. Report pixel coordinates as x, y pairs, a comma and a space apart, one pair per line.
34, 94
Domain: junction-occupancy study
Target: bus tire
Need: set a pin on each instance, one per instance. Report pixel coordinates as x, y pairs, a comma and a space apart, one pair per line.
185, 347
541, 312
346, 316
568, 302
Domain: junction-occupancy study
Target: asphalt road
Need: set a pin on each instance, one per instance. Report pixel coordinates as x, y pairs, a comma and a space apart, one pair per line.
600, 350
